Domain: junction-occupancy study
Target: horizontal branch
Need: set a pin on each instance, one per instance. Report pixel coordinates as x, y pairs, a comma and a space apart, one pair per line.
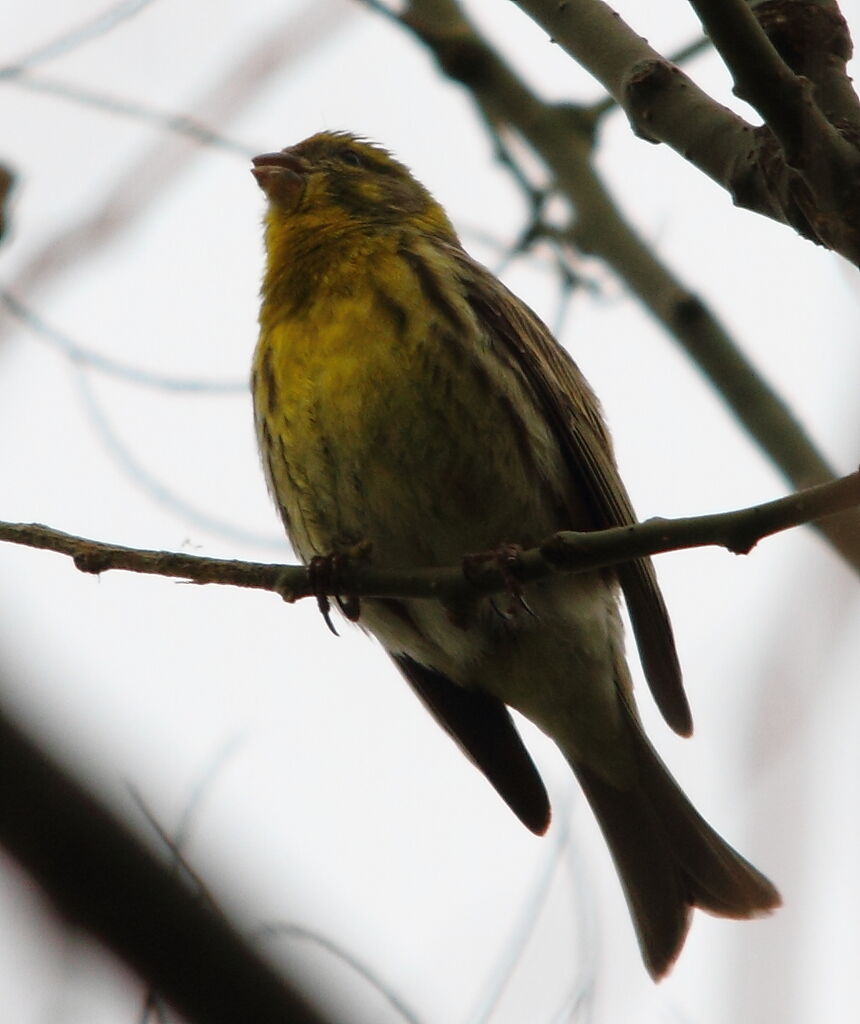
568, 551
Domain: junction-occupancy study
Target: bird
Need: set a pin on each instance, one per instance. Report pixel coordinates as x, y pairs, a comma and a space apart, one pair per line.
410, 408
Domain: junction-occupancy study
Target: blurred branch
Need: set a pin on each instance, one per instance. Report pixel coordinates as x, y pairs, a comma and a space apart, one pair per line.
143, 182
122, 454
100, 877
563, 136
83, 33
7, 180
80, 355
567, 551
190, 128
277, 930
132, 466
264, 933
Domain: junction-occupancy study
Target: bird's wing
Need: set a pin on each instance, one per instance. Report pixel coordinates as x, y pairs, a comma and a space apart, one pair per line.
482, 727
568, 405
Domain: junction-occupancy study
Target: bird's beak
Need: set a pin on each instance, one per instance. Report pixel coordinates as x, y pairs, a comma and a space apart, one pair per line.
281, 176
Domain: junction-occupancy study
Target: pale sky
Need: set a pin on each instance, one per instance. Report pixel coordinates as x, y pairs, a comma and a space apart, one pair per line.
330, 800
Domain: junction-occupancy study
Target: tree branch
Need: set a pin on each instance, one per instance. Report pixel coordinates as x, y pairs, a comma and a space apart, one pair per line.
812, 38
817, 197
828, 163
7, 180
567, 551
101, 878
767, 83
563, 137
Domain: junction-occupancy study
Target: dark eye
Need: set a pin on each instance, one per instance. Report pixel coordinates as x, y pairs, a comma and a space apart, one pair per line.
349, 156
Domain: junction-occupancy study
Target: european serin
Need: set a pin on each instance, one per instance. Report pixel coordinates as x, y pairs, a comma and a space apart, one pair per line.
407, 401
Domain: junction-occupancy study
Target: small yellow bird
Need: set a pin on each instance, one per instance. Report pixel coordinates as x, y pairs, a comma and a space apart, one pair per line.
406, 401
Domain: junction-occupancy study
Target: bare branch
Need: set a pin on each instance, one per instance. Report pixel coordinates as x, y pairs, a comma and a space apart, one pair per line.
562, 136
569, 551
146, 178
83, 33
828, 163
765, 81
811, 185
812, 38
737, 531
679, 57
7, 180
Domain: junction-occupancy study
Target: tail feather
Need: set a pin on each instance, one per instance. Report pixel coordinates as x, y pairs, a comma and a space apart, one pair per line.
668, 858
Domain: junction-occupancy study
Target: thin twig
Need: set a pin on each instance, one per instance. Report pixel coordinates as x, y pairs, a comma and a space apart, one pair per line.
79, 35
84, 356
568, 551
345, 957
151, 484
178, 124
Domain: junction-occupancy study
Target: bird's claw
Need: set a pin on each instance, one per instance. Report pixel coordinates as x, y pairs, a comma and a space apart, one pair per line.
326, 572
505, 558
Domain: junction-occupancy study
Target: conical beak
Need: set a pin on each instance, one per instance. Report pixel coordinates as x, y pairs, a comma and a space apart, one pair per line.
281, 176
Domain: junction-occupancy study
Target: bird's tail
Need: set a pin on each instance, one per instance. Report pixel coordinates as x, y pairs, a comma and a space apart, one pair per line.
668, 857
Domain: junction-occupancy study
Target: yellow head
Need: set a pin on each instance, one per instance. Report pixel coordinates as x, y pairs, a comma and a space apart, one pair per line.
337, 183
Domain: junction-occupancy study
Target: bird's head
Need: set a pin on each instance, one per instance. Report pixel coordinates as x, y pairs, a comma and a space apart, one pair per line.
338, 181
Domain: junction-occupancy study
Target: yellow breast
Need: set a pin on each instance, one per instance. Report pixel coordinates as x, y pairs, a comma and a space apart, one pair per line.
380, 421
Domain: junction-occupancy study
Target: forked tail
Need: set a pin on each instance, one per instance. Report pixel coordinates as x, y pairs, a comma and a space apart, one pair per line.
669, 859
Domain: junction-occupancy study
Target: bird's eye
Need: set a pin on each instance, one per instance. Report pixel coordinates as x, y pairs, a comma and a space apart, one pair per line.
349, 156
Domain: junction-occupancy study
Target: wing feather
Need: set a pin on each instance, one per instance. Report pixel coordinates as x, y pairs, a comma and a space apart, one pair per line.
483, 728
569, 406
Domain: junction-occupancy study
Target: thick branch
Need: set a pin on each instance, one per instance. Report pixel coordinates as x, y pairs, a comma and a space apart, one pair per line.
569, 551
811, 185
102, 879
768, 84
827, 162
812, 38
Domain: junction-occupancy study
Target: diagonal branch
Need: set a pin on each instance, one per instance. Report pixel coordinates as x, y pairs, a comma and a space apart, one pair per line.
813, 39
827, 162
563, 136
811, 185
145, 179
101, 878
762, 78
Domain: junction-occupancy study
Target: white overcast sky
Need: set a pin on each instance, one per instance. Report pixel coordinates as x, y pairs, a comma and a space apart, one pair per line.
329, 799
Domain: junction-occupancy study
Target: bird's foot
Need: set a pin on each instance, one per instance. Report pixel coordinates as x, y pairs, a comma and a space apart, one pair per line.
505, 559
326, 574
